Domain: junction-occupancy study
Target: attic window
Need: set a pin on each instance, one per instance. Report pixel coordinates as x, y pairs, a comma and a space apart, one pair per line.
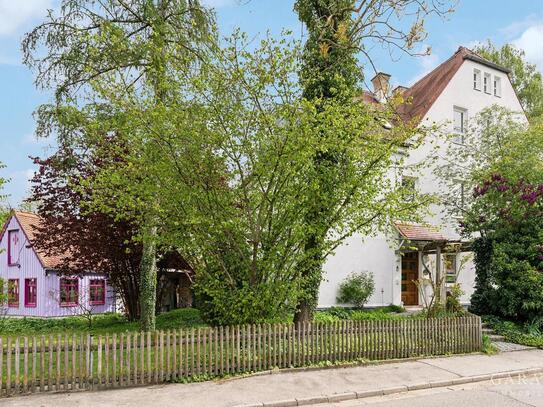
476, 79
13, 246
486, 83
497, 86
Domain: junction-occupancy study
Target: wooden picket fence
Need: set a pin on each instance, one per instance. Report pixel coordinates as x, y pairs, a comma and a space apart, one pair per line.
76, 362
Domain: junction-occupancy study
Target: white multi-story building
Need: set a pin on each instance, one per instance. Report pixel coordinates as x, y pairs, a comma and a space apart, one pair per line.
456, 90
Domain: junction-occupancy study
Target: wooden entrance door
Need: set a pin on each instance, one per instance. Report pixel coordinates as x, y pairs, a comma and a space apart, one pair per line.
410, 273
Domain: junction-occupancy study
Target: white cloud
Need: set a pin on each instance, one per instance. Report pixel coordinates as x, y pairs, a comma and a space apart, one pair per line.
514, 29
426, 65
531, 41
14, 14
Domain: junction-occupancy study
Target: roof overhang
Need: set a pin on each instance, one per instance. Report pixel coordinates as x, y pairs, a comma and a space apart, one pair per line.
485, 62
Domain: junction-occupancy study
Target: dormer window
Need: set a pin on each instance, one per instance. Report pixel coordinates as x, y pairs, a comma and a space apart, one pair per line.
476, 79
497, 86
486, 83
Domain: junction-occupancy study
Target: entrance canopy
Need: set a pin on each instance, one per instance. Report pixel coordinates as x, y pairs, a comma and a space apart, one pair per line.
429, 238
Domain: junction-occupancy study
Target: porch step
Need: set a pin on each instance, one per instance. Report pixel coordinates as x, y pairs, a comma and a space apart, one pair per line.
496, 338
488, 331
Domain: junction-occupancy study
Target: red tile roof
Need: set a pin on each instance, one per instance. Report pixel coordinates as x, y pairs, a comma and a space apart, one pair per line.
423, 93
416, 232
29, 223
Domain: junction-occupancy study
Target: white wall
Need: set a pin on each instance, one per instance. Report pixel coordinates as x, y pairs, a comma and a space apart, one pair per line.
375, 254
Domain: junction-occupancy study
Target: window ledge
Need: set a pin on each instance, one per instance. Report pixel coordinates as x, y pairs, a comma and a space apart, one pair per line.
67, 305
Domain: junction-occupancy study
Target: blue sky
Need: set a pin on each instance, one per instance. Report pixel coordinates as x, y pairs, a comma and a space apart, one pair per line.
519, 22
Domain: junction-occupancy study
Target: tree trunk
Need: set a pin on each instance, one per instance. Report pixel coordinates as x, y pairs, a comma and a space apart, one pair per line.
304, 313
311, 272
148, 280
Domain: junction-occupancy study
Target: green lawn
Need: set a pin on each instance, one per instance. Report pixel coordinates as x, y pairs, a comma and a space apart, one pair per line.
106, 323
180, 318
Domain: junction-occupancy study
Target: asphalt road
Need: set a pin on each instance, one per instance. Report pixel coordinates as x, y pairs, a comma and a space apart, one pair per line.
527, 391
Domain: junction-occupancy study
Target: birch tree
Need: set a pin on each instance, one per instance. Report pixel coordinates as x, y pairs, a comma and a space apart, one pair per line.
87, 43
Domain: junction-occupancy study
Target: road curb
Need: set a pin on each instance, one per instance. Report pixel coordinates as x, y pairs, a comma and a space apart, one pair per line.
334, 398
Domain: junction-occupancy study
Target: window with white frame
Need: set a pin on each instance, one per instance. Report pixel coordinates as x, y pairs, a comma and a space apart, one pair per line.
497, 86
449, 264
476, 79
460, 117
486, 83
409, 187
459, 197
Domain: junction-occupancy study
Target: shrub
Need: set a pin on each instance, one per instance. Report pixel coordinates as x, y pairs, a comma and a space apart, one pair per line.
525, 334
394, 308
323, 316
452, 304
339, 312
356, 289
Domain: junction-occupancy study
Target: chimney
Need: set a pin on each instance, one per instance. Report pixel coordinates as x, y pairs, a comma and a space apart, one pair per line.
380, 86
399, 89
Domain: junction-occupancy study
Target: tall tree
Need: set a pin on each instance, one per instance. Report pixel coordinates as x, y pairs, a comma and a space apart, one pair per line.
338, 31
87, 44
525, 77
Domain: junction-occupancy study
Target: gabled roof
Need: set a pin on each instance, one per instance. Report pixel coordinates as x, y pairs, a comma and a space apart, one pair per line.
425, 92
416, 232
29, 223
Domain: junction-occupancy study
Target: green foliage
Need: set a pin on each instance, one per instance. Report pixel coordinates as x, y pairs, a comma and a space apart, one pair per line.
356, 289
331, 76
102, 323
525, 76
522, 333
488, 347
321, 316
4, 210
503, 171
375, 314
339, 312
103, 58
394, 308
219, 157
452, 303
481, 299
3, 303
180, 318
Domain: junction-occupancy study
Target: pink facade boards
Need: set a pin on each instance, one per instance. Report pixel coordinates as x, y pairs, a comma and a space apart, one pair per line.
34, 287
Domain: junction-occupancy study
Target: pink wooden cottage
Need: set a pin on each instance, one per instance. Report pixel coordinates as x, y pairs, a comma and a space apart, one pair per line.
34, 287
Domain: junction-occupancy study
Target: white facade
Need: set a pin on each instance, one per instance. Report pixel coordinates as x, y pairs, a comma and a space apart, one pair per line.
380, 255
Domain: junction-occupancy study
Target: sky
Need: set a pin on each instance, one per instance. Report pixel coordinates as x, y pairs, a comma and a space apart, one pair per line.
502, 21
